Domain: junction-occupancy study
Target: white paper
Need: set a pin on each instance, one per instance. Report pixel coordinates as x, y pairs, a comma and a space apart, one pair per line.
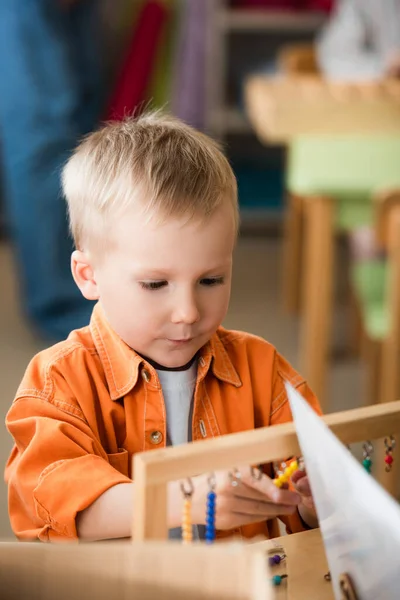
359, 520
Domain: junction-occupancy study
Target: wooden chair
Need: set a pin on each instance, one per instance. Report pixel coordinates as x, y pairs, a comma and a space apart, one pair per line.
343, 143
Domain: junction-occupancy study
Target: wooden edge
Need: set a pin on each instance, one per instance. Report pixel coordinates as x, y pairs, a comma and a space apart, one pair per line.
259, 446
384, 202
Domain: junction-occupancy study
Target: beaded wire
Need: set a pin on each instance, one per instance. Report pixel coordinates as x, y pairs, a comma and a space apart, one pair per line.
390, 444
367, 452
210, 511
284, 476
187, 529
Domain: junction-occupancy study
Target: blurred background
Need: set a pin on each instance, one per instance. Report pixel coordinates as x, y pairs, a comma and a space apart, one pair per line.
304, 97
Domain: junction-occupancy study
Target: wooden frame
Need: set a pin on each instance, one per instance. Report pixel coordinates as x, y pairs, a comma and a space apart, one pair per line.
153, 470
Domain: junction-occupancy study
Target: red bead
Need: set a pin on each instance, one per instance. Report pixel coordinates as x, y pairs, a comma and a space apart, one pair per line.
388, 459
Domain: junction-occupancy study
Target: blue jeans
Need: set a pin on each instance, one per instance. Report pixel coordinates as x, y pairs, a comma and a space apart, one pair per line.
50, 96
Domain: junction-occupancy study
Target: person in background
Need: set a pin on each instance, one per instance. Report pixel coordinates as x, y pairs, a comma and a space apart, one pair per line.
50, 97
361, 41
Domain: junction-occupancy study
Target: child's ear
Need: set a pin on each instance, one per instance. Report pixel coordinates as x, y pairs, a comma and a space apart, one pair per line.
83, 274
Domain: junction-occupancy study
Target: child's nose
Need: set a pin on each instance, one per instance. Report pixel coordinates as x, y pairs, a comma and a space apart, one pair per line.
185, 309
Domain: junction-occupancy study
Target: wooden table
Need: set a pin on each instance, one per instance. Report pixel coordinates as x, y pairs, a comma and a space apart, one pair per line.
305, 566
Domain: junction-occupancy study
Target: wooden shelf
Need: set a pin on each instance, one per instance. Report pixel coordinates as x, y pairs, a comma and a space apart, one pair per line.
268, 20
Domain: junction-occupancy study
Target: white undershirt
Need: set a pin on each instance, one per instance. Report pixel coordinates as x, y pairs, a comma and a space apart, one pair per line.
178, 389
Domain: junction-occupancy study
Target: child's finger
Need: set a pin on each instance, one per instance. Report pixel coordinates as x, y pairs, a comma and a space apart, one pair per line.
266, 486
297, 475
303, 486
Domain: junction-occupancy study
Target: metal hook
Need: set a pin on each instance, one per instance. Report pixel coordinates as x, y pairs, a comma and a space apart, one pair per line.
367, 449
235, 477
212, 482
187, 492
390, 443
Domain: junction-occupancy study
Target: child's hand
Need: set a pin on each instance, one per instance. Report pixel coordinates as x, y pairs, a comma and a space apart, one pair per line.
306, 508
301, 484
250, 501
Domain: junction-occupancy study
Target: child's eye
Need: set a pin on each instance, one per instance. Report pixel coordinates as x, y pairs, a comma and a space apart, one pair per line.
209, 281
153, 285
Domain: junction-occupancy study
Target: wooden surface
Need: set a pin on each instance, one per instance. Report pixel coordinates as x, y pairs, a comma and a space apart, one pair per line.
155, 469
305, 566
165, 571
280, 108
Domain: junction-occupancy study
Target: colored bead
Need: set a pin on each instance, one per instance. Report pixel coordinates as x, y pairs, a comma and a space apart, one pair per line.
210, 517
277, 580
274, 560
277, 482
389, 459
367, 464
187, 531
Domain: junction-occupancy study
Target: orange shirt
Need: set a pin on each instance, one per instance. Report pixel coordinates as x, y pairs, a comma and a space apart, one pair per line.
88, 404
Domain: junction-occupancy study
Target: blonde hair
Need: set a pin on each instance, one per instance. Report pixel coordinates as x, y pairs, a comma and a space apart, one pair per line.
155, 162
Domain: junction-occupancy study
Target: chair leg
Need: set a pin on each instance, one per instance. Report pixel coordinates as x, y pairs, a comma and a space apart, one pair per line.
389, 388
292, 259
317, 297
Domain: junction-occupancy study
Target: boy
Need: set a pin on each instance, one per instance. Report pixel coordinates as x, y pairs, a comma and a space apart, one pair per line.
154, 215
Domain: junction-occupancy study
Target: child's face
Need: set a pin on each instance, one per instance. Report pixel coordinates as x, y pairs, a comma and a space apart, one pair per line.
165, 288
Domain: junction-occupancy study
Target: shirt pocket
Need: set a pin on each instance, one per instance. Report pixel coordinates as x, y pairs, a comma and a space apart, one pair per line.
120, 461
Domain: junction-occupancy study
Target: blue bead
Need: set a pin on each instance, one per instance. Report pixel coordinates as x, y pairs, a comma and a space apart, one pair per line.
276, 580
211, 495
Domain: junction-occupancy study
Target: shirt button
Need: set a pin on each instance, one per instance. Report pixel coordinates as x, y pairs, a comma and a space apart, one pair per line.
156, 437
146, 375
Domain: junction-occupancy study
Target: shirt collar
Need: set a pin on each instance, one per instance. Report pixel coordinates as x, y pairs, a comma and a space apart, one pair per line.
122, 365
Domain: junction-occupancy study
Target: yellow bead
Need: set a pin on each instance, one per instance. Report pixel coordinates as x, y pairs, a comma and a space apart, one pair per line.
282, 478
277, 482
